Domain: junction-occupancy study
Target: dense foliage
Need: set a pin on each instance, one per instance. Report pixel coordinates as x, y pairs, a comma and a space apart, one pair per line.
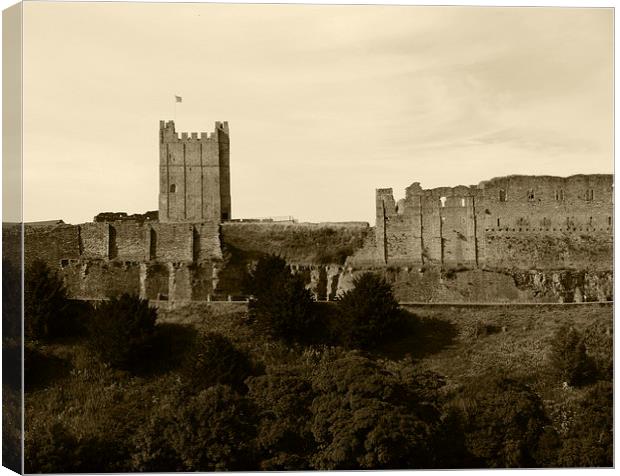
45, 303
122, 330
232, 397
213, 359
569, 358
280, 302
503, 422
368, 313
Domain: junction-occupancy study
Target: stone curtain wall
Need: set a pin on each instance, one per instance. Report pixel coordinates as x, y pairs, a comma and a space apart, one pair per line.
96, 260
520, 222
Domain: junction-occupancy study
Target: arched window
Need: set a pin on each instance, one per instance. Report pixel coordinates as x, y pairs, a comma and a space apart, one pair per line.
173, 188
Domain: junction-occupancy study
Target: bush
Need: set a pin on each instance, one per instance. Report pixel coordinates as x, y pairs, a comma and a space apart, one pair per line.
503, 422
212, 431
54, 449
45, 303
568, 357
368, 313
280, 301
213, 359
121, 332
589, 437
285, 439
365, 417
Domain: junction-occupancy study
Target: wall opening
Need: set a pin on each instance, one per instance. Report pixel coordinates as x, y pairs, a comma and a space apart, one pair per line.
442, 200
153, 245
462, 202
590, 194
609, 221
173, 188
530, 195
224, 215
112, 248
559, 195
498, 222
502, 195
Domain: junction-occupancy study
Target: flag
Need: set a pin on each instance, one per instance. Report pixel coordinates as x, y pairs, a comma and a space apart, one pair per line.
178, 99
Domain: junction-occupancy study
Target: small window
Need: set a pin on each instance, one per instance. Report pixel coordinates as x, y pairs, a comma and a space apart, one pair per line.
224, 215
559, 195
443, 201
530, 196
173, 188
462, 202
609, 221
498, 222
502, 195
590, 194
591, 220
64, 263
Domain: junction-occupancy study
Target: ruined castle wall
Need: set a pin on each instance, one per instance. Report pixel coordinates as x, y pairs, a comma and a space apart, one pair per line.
174, 241
509, 222
94, 240
99, 279
130, 241
55, 245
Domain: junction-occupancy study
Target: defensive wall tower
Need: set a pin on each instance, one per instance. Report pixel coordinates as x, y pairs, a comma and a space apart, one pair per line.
194, 175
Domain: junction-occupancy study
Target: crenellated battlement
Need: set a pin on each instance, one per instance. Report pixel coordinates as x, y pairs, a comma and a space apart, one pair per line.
168, 134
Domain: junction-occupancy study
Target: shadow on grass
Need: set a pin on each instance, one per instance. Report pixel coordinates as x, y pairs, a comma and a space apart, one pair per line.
170, 344
42, 370
418, 338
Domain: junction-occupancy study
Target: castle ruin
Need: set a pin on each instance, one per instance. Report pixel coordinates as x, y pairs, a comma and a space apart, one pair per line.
514, 238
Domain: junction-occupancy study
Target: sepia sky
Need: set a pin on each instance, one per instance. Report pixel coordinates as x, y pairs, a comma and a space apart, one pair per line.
325, 103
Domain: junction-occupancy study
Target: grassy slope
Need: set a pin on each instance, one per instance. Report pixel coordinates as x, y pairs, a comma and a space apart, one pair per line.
88, 397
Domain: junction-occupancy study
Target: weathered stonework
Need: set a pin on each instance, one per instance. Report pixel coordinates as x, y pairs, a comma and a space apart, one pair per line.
509, 239
508, 222
194, 177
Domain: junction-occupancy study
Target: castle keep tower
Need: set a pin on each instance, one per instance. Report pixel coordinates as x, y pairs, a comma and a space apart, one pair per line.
194, 175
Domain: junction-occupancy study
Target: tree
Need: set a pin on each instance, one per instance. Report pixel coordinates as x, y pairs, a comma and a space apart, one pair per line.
588, 441
121, 331
211, 431
568, 357
213, 359
283, 398
365, 417
368, 313
45, 303
280, 301
503, 421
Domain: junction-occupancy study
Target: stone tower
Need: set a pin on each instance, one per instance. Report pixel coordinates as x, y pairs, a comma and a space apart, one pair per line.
194, 175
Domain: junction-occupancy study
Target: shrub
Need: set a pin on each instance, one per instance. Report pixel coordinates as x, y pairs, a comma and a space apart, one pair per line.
368, 313
284, 439
568, 357
121, 331
212, 431
54, 449
213, 359
45, 303
503, 422
365, 417
280, 301
589, 437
